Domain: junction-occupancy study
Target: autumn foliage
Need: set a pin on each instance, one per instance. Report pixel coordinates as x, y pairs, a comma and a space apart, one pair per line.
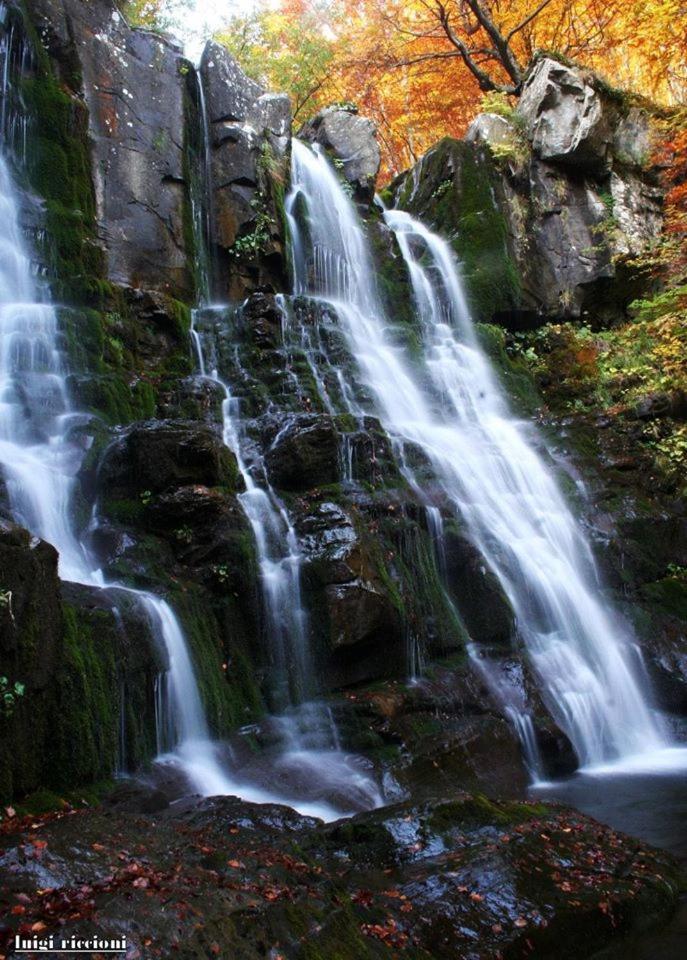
421, 67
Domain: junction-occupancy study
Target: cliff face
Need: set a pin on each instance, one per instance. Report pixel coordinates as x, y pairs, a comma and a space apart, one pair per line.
544, 207
549, 203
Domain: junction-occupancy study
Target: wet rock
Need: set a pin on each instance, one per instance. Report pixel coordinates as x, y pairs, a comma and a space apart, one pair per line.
305, 453
427, 880
482, 603
84, 677
250, 133
156, 455
261, 321
193, 398
133, 86
358, 613
351, 141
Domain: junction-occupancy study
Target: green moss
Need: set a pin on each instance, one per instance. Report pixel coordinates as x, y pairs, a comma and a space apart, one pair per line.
456, 195
478, 810
88, 710
225, 671
515, 375
668, 595
58, 169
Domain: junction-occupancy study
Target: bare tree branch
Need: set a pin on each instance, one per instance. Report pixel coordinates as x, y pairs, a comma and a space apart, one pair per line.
528, 20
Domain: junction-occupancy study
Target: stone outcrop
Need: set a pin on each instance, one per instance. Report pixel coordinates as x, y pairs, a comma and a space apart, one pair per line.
85, 708
132, 83
442, 880
249, 132
351, 142
565, 118
559, 195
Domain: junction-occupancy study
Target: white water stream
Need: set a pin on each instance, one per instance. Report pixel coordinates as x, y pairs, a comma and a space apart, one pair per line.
41, 450
452, 407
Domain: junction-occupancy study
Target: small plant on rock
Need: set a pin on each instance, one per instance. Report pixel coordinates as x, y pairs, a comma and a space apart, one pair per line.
10, 694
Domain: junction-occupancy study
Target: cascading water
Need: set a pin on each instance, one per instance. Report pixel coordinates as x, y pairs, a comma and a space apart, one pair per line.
41, 449
42, 444
309, 748
452, 408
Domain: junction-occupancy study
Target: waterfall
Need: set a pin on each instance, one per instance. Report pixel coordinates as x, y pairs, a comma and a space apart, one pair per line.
452, 407
41, 449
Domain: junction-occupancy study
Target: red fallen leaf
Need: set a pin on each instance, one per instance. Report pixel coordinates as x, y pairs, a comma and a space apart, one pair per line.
363, 897
236, 864
520, 922
39, 844
11, 812
214, 948
477, 897
98, 847
23, 897
406, 908
18, 910
38, 926
496, 928
141, 882
207, 850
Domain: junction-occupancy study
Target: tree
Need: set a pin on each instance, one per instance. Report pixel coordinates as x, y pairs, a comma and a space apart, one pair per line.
155, 14
286, 49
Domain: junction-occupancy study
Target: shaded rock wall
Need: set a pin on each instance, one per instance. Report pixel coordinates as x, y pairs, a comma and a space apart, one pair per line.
87, 707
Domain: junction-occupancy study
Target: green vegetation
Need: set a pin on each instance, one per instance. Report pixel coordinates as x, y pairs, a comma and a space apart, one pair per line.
10, 693
643, 361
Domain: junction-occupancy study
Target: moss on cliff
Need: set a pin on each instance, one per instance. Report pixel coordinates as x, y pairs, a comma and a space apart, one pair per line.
454, 192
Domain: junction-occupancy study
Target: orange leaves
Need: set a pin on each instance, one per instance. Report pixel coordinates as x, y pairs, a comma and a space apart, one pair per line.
397, 61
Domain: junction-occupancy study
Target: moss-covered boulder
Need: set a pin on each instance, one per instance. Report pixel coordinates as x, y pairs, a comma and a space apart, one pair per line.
79, 665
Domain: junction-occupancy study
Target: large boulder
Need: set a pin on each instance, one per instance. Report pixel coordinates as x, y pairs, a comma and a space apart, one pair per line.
566, 119
351, 141
548, 206
85, 665
156, 456
305, 453
457, 877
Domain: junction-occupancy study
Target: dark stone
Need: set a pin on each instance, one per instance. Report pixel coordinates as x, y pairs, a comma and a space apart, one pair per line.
350, 140
156, 455
480, 598
133, 87
305, 453
250, 134
87, 674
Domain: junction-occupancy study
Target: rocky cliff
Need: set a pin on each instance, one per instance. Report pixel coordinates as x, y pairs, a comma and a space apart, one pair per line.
546, 207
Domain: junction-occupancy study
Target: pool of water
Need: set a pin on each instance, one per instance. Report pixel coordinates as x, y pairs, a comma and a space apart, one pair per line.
649, 805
